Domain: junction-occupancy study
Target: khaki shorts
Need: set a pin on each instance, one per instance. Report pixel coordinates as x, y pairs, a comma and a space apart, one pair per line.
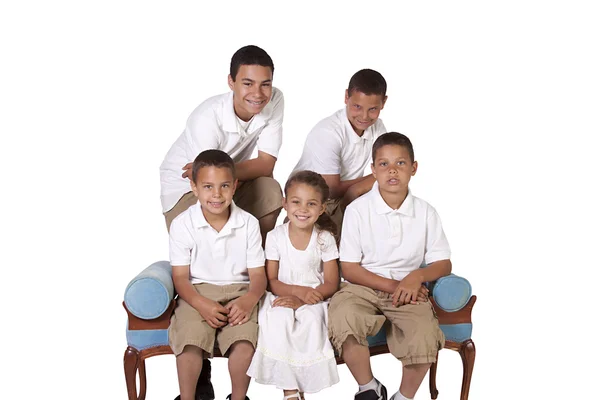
188, 327
259, 197
413, 334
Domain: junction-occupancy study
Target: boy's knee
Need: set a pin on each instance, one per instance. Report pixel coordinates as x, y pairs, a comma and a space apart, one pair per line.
241, 349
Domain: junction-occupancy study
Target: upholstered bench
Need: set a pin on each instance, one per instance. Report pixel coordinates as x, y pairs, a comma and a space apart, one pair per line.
149, 302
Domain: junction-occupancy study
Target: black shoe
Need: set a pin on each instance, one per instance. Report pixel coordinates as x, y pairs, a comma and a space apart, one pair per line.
371, 394
204, 388
229, 398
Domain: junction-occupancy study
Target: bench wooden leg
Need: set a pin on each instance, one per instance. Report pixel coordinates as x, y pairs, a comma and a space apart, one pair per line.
133, 364
467, 353
432, 372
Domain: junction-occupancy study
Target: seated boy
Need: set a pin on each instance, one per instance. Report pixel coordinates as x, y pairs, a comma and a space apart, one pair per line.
248, 117
387, 235
339, 146
218, 271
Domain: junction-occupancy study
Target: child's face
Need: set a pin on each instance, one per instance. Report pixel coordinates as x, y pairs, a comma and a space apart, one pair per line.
252, 90
214, 187
303, 205
363, 110
393, 169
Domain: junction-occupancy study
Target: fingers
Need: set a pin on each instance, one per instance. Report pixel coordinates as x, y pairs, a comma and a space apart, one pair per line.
237, 320
396, 297
319, 295
187, 170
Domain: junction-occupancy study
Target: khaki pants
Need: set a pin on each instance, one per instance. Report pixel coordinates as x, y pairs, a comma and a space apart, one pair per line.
413, 334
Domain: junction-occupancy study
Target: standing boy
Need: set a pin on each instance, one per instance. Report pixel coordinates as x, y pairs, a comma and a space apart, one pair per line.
387, 234
339, 146
218, 271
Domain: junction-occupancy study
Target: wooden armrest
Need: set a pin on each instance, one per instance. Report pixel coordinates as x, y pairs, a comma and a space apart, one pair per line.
457, 317
139, 324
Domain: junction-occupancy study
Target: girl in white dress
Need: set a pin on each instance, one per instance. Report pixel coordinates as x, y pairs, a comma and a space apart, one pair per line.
293, 351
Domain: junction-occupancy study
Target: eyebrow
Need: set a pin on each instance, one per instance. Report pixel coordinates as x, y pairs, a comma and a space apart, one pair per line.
296, 197
212, 183
252, 81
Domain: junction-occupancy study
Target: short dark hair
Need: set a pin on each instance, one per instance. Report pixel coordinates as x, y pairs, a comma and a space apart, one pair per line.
212, 158
393, 138
250, 55
367, 81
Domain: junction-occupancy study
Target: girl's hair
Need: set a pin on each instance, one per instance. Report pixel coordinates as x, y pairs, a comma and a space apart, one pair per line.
316, 181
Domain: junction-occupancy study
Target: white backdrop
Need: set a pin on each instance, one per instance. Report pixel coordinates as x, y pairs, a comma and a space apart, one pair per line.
500, 99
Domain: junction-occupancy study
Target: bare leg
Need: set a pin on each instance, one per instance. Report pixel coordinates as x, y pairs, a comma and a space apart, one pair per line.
357, 358
240, 356
412, 376
189, 366
267, 223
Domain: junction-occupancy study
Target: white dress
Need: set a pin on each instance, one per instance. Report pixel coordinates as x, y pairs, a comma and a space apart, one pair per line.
293, 350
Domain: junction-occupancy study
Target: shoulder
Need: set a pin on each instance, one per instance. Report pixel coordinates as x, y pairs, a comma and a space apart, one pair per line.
209, 109
332, 125
422, 207
182, 223
362, 203
379, 128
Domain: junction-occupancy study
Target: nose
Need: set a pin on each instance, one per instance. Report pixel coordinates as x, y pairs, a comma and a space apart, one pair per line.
216, 192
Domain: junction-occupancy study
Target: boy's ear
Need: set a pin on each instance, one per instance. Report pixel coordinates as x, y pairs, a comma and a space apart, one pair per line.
194, 188
235, 185
230, 81
284, 203
414, 168
384, 100
323, 208
373, 170
346, 97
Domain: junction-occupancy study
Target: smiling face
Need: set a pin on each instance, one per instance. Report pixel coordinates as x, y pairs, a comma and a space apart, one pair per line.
214, 187
304, 204
393, 168
252, 89
363, 110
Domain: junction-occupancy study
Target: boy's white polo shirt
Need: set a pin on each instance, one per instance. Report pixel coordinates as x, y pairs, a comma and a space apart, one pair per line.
214, 125
392, 243
333, 148
220, 258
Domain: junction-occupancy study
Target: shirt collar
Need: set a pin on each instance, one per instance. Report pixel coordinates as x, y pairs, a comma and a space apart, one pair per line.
230, 123
381, 207
235, 219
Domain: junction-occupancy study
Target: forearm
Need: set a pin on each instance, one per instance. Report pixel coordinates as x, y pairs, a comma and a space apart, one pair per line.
434, 270
188, 293
358, 189
338, 189
254, 168
356, 274
327, 289
279, 288
258, 285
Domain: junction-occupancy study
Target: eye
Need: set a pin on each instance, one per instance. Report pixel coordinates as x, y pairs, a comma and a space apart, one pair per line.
401, 162
248, 84
225, 185
266, 84
383, 164
207, 186
295, 202
356, 106
312, 204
